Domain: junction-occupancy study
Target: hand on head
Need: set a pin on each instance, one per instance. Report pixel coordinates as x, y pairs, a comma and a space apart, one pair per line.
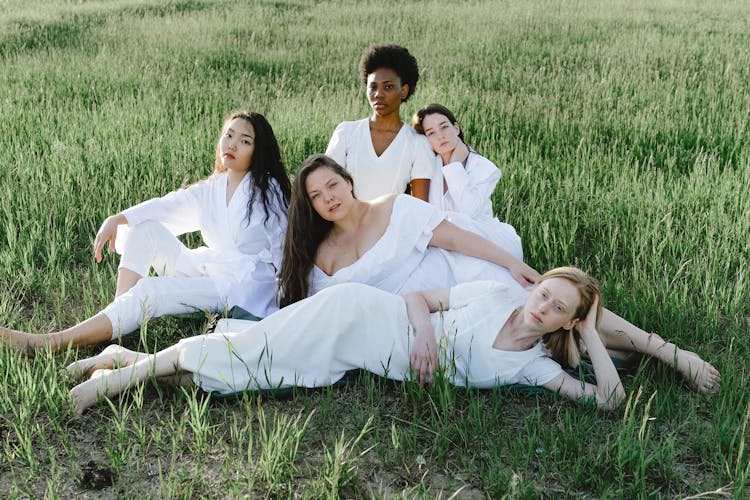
589, 322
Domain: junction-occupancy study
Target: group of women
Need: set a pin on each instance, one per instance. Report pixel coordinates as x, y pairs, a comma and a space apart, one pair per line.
367, 277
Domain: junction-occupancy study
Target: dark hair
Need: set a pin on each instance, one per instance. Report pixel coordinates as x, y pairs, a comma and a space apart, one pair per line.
432, 109
265, 163
395, 57
305, 231
564, 345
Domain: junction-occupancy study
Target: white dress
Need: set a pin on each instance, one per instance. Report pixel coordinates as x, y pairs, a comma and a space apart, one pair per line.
467, 201
402, 261
314, 342
241, 257
408, 157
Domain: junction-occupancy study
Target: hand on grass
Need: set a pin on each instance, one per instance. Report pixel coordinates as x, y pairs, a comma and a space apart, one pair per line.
424, 358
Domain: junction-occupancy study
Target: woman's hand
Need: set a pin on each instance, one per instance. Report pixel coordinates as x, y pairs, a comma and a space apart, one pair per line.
424, 357
107, 234
587, 326
523, 273
460, 153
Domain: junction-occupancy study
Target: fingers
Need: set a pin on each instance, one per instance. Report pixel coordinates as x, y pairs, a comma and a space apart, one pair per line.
423, 367
98, 248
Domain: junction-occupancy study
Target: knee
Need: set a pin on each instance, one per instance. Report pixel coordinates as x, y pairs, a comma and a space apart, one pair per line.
144, 289
146, 232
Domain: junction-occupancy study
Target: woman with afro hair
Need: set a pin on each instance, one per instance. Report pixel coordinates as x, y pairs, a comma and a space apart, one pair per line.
383, 154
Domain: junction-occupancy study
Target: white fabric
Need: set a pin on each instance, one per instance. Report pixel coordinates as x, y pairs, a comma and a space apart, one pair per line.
408, 157
150, 244
401, 260
313, 342
467, 201
155, 296
241, 257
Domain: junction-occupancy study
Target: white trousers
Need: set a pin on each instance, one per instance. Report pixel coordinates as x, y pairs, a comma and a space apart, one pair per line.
150, 245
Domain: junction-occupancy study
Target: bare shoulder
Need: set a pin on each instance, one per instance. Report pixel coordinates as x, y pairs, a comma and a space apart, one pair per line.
381, 207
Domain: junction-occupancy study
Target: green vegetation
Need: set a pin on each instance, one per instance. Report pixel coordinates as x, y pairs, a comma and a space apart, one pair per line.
621, 130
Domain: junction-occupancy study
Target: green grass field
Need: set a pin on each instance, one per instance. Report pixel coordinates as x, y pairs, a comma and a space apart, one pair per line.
621, 130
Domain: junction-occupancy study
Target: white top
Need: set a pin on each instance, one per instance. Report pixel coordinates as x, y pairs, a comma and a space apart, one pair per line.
469, 189
314, 342
468, 200
401, 260
408, 157
241, 256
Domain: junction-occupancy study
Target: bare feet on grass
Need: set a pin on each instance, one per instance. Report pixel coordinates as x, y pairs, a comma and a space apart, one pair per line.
113, 356
87, 393
701, 375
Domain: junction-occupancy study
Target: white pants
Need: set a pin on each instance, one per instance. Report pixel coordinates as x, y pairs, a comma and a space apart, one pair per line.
151, 245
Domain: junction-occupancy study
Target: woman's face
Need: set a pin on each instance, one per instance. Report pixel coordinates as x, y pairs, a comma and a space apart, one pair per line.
385, 91
552, 305
442, 134
237, 145
330, 194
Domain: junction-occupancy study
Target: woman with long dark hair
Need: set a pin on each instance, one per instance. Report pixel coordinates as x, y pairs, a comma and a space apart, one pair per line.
396, 242
240, 211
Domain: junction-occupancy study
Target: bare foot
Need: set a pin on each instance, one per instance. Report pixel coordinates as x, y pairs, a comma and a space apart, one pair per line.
701, 375
86, 394
113, 356
20, 341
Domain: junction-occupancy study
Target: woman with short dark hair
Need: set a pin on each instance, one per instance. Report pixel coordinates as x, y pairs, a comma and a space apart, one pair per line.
383, 154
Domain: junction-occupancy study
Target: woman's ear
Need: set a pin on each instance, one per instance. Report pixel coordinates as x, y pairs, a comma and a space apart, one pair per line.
404, 91
571, 324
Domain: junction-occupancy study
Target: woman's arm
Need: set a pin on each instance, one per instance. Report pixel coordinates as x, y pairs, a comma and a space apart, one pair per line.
419, 305
420, 188
470, 188
107, 234
450, 237
608, 389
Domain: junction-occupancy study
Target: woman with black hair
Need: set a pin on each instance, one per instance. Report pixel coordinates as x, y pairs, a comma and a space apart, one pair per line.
384, 154
240, 211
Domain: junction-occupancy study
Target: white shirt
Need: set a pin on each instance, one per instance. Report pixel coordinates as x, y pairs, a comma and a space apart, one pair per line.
242, 256
408, 157
469, 189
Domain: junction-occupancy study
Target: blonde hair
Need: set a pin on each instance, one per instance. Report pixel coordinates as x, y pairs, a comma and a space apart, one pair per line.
565, 345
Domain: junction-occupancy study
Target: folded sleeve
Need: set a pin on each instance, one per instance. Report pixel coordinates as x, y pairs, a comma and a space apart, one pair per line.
180, 210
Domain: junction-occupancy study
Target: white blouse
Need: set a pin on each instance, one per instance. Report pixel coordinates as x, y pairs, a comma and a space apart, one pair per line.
242, 256
408, 157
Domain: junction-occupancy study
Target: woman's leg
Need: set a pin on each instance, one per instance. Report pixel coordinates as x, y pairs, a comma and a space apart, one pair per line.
150, 298
110, 383
94, 330
147, 245
622, 335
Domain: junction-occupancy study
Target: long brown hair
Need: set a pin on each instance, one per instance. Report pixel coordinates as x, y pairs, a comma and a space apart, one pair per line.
305, 231
564, 345
265, 163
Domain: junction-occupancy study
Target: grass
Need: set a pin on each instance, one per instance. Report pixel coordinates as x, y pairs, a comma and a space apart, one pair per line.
621, 131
